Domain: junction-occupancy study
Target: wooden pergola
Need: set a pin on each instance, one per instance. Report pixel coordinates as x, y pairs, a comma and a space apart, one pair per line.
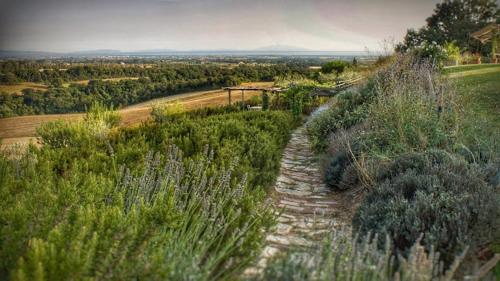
265, 90
341, 86
488, 33
317, 92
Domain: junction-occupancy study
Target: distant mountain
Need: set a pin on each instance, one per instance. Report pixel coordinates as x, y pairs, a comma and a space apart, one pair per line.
26, 54
282, 48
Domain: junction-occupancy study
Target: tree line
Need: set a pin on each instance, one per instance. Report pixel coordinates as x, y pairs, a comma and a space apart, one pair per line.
157, 81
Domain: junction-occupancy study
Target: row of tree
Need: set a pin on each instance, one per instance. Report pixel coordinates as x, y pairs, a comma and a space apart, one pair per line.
51, 73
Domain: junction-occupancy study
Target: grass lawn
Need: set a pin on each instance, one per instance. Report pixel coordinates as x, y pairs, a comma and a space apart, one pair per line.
469, 67
481, 92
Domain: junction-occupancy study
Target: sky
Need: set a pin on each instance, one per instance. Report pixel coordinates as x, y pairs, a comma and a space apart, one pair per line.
132, 25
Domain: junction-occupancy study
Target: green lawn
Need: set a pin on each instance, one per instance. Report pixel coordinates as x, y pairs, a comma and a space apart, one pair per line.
481, 92
469, 67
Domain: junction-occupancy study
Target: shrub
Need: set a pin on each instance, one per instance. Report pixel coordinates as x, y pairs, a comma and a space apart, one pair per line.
435, 193
432, 52
452, 52
348, 109
97, 125
335, 171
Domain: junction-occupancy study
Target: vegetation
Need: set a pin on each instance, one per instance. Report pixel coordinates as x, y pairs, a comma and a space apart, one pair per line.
179, 198
158, 81
337, 66
156, 71
429, 166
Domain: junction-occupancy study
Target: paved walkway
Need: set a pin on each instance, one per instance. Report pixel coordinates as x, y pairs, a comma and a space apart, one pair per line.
306, 207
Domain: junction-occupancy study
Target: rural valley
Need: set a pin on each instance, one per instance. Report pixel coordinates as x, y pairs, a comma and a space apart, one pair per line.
267, 163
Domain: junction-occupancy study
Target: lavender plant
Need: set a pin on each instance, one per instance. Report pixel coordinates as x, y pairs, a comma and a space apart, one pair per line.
344, 257
173, 221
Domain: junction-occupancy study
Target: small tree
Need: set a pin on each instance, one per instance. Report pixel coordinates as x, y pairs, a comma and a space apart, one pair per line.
432, 52
452, 51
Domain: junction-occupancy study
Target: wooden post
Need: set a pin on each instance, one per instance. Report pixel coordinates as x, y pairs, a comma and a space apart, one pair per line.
265, 100
243, 96
229, 92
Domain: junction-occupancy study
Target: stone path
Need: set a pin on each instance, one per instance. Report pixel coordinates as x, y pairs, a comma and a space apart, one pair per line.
306, 207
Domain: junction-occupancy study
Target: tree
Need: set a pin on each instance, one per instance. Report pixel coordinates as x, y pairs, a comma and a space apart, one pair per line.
10, 78
337, 66
454, 21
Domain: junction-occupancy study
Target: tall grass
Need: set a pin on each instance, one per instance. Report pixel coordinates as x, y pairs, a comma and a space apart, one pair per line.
414, 109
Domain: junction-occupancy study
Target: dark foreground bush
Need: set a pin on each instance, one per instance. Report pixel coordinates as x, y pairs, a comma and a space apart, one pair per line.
435, 193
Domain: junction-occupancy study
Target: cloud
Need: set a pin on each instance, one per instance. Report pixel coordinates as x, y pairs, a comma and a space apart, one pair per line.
66, 25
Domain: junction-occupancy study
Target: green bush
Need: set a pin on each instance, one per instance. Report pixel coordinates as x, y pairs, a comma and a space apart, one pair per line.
193, 212
435, 193
349, 109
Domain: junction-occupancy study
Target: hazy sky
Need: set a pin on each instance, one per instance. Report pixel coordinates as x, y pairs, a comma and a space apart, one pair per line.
333, 25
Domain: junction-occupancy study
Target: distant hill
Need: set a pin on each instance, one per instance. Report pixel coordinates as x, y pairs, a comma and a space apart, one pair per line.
95, 52
274, 50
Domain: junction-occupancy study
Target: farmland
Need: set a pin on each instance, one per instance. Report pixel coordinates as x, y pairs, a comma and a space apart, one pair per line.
18, 88
23, 129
